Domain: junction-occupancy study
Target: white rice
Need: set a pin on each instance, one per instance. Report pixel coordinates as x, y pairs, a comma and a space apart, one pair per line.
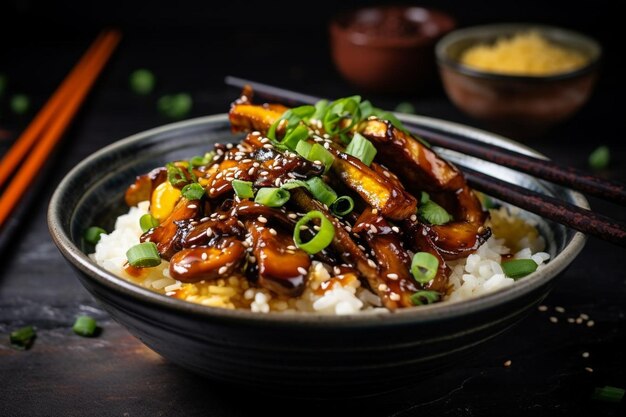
480, 273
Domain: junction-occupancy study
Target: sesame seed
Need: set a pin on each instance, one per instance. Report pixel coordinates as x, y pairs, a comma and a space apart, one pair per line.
204, 256
317, 228
336, 270
256, 164
252, 259
273, 231
559, 309
277, 182
571, 320
585, 355
326, 145
222, 216
291, 247
413, 217
554, 319
584, 316
375, 211
371, 263
251, 171
382, 287
591, 323
192, 206
373, 229
209, 232
394, 296
262, 219
395, 229
212, 190
229, 146
348, 228
222, 270
579, 320
588, 369
304, 227
507, 363
264, 173
292, 216
392, 276
386, 174
268, 146
302, 271
542, 308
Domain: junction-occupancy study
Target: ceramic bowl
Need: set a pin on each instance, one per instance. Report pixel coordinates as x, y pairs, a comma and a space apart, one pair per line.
388, 49
287, 353
516, 105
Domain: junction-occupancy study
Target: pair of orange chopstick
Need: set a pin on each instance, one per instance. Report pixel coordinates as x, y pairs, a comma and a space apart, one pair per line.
36, 143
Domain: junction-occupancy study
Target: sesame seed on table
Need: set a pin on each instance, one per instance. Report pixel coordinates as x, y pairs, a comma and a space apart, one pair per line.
549, 364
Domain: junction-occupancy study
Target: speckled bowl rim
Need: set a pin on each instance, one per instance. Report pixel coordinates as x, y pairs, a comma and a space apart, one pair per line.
423, 314
443, 58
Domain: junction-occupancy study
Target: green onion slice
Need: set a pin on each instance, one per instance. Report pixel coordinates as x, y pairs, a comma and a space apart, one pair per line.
519, 268
175, 106
320, 110
303, 148
20, 103
321, 191
290, 185
147, 222
319, 153
175, 175
243, 189
22, 338
600, 157
272, 197
92, 235
142, 81
193, 191
85, 326
299, 133
342, 206
425, 297
424, 267
361, 148
431, 212
608, 394
143, 255
322, 238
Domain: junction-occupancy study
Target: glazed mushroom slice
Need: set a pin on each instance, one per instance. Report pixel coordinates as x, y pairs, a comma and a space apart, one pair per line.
392, 259
207, 262
281, 267
169, 234
249, 210
423, 170
207, 231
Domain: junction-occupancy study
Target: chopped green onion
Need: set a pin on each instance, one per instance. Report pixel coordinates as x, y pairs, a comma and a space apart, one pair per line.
198, 161
424, 267
142, 81
175, 106
175, 175
367, 109
20, 103
303, 148
608, 394
3, 84
290, 185
519, 268
143, 255
336, 111
431, 212
342, 206
92, 234
243, 189
22, 338
320, 110
319, 153
600, 157
361, 148
322, 238
193, 191
405, 107
147, 222
293, 117
425, 297
272, 197
321, 191
298, 134
85, 326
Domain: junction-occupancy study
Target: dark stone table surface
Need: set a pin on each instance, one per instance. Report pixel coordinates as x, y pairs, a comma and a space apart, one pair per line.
114, 374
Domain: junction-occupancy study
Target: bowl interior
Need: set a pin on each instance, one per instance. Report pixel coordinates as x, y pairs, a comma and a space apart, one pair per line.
452, 46
92, 194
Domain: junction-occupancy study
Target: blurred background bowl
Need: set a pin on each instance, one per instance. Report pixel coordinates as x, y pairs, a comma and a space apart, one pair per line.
516, 105
388, 49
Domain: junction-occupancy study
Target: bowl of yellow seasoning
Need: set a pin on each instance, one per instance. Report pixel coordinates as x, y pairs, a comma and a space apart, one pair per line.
520, 79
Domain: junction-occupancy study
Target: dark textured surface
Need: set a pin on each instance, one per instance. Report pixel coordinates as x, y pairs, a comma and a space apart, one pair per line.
116, 375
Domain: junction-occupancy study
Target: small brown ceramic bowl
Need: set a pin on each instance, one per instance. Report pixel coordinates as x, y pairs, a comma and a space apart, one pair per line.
388, 48
516, 105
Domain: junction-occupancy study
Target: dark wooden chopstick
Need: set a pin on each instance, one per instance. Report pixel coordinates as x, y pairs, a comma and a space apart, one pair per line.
612, 191
551, 208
